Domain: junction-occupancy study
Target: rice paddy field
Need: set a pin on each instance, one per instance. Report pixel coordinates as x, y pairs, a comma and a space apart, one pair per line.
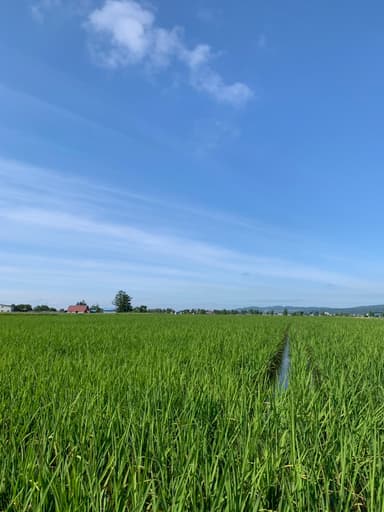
185, 413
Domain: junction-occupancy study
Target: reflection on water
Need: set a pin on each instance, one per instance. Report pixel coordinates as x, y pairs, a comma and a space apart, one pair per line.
283, 376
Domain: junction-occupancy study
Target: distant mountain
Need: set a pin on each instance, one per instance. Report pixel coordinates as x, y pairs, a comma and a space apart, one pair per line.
358, 310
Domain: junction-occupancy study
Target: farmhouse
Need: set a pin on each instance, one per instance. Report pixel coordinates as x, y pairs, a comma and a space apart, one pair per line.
78, 309
5, 309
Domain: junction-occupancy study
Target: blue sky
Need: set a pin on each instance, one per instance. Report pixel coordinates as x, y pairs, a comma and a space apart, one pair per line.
209, 154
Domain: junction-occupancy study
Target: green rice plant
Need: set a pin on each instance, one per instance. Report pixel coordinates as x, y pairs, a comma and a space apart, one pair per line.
336, 395
184, 413
136, 413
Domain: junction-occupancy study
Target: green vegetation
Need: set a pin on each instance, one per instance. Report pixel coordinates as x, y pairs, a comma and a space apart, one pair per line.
123, 302
22, 308
178, 413
43, 308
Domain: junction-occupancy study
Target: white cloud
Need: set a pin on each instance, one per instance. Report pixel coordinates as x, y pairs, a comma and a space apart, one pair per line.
130, 28
127, 34
72, 238
202, 255
211, 82
29, 185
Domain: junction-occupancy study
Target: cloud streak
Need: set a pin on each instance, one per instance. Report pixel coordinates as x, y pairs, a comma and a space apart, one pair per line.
46, 199
39, 8
64, 231
179, 249
125, 33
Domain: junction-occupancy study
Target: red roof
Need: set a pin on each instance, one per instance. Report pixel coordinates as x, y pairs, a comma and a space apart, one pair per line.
78, 309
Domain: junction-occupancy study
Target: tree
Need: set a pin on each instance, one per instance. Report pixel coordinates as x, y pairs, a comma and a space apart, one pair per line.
42, 308
23, 308
122, 301
81, 303
96, 309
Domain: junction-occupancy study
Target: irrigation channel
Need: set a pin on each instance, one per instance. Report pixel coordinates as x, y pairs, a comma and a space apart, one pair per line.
283, 373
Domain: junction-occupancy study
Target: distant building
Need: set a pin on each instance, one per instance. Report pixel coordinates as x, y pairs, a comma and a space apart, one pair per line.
5, 308
78, 309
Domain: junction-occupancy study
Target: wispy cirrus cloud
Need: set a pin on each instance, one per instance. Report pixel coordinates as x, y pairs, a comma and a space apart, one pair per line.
35, 200
209, 15
40, 8
202, 255
28, 186
125, 33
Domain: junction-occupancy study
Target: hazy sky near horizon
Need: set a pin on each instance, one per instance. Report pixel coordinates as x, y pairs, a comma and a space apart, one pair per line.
204, 153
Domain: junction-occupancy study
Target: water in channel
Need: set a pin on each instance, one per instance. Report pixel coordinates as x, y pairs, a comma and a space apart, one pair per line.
283, 375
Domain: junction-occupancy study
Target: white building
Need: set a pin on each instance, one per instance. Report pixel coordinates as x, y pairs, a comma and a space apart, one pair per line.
5, 309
